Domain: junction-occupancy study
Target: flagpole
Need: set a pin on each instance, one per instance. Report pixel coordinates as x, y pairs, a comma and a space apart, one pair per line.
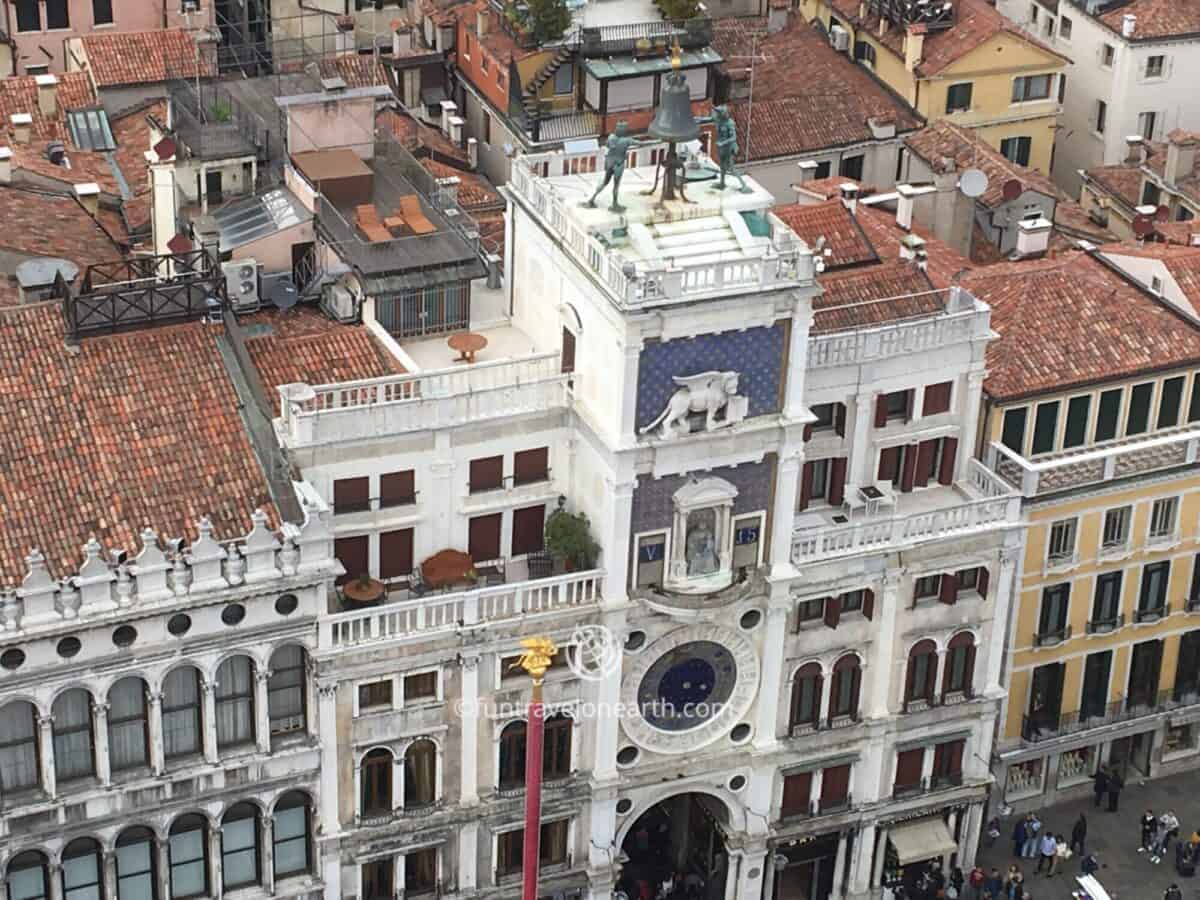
536, 660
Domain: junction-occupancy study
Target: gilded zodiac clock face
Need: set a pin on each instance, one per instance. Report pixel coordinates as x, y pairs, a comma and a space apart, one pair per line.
687, 686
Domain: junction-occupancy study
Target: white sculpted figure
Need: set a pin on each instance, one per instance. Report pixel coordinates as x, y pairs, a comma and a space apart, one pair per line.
709, 393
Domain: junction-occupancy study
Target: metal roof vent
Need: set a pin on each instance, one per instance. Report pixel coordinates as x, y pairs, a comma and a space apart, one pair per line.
334, 84
56, 152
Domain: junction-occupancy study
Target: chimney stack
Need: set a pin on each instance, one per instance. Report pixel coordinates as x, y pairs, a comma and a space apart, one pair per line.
1033, 237
47, 95
1128, 25
912, 247
455, 132
449, 108
904, 206
402, 39
850, 197
481, 22
914, 46
5, 165
1181, 155
1135, 150
777, 16
448, 189
808, 171
22, 124
473, 153
89, 196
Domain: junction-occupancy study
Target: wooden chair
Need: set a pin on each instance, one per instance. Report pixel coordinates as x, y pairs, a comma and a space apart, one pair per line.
366, 217
410, 208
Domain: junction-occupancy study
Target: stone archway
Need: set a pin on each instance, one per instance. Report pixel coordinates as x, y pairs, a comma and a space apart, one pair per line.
680, 837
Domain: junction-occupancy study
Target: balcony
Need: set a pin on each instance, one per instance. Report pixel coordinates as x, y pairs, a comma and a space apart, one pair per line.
1070, 469
1051, 637
1105, 626
1151, 613
981, 502
421, 618
1046, 726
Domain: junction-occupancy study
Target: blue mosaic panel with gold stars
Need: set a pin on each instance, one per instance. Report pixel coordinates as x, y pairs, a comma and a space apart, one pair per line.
756, 354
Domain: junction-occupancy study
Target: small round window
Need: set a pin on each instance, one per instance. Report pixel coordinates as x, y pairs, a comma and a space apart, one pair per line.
286, 604
750, 619
624, 805
233, 613
635, 641
12, 658
68, 647
125, 636
179, 624
627, 756
739, 733
737, 782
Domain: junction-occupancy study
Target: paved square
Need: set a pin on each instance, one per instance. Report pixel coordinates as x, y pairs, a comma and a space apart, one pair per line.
1113, 837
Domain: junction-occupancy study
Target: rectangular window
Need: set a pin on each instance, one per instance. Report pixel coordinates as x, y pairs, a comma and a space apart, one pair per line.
57, 15
1108, 415
1078, 409
1108, 53
102, 12
397, 488
351, 495
827, 416
1033, 13
958, 97
820, 478
947, 762
852, 167
1016, 149
186, 855
375, 694
1163, 516
487, 474
1096, 672
1150, 194
822, 171
1183, 214
927, 587
835, 787
530, 466
797, 793
894, 406
810, 610
937, 399
1116, 527
1012, 435
1153, 597
1194, 405
483, 537
1052, 621
29, 15
1030, 87
420, 871
909, 764
422, 686
1062, 541
1064, 28
1139, 408
564, 79
528, 529
1169, 402
395, 553
1146, 123
851, 601
354, 554
1045, 427
1101, 116
510, 846
1155, 66
1106, 605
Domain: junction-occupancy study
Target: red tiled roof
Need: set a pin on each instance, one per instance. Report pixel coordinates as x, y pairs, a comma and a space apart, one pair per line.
1182, 262
807, 96
303, 345
132, 133
1121, 182
830, 188
1178, 232
18, 94
144, 57
845, 240
40, 223
1069, 320
446, 12
416, 137
474, 191
1156, 18
943, 262
125, 431
491, 231
859, 298
356, 69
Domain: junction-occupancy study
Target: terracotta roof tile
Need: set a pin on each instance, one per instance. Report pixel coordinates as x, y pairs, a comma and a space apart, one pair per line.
1156, 18
132, 133
491, 231
845, 240
969, 151
18, 94
40, 223
474, 191
416, 137
943, 262
1069, 320
144, 57
356, 69
831, 188
128, 430
858, 298
1122, 182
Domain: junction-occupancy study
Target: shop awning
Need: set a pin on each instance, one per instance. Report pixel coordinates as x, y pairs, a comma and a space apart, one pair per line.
921, 839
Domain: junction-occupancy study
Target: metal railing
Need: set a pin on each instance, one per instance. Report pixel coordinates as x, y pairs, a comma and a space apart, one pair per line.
1152, 613
1051, 636
1103, 626
1045, 726
373, 504
649, 38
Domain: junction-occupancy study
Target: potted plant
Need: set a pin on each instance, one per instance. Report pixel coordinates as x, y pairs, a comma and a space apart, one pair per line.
569, 538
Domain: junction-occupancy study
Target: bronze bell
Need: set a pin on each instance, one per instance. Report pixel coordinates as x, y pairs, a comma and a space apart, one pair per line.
673, 120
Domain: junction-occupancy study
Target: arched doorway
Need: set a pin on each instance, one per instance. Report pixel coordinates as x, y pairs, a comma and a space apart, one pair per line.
679, 839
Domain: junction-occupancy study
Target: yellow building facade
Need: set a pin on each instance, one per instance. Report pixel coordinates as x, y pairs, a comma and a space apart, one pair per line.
981, 72
1104, 644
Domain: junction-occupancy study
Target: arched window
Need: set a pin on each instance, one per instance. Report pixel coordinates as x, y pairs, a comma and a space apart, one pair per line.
960, 665
843, 695
19, 768
26, 877
285, 690
234, 693
922, 669
512, 755
72, 713
806, 696
420, 774
128, 741
187, 849
376, 783
291, 834
556, 747
239, 846
82, 870
136, 875
182, 729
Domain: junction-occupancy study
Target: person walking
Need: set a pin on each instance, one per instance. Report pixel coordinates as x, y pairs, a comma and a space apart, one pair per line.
1079, 835
1046, 853
1032, 826
977, 881
1018, 836
1100, 785
1149, 824
1061, 853
1173, 893
1172, 822
993, 884
1161, 836
1115, 783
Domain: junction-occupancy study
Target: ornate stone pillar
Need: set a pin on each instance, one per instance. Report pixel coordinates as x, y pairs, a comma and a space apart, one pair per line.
881, 655
861, 462
162, 866
783, 511
839, 864
1004, 610
108, 864
772, 678
215, 874
329, 810
46, 755
155, 733
860, 866
54, 875
100, 736
209, 721
268, 855
880, 857
468, 725
615, 546
970, 421
969, 845
750, 884
262, 713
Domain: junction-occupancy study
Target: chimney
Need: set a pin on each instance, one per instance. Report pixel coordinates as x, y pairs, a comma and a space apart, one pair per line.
455, 132
904, 206
1033, 237
1135, 150
473, 153
449, 108
912, 247
1181, 155
481, 22
47, 95
862, 11
914, 47
402, 40
22, 124
1128, 25
5, 165
777, 16
850, 197
89, 196
808, 170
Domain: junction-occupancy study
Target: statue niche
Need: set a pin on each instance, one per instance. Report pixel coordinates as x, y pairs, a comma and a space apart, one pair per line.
702, 537
712, 393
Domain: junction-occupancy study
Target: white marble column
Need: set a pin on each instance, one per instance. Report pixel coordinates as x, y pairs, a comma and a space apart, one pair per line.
441, 501
927, 765
468, 725
330, 818
939, 674
880, 857
606, 724
825, 701
632, 354
268, 855
209, 720
155, 733
968, 408
46, 755
860, 469
882, 662
108, 865
1004, 609
215, 872
860, 865
54, 876
262, 715
951, 824
839, 865
969, 844
615, 541
772, 680
802, 316
734, 875
750, 884
100, 736
468, 858
783, 511
163, 867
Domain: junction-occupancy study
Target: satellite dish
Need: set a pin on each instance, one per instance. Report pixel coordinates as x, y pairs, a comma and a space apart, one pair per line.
1013, 189
284, 294
973, 183
1143, 225
1162, 214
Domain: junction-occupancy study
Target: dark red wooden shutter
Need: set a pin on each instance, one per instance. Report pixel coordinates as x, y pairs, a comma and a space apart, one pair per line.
835, 785
531, 465
395, 553
939, 759
908, 767
351, 495
889, 464
969, 671
529, 527
880, 410
797, 790
568, 351
909, 398
839, 419
868, 609
487, 473
806, 481
910, 676
837, 481
910, 468
833, 611
948, 589
354, 555
955, 756
483, 537
808, 429
396, 488
855, 688
924, 462
937, 399
949, 453
982, 582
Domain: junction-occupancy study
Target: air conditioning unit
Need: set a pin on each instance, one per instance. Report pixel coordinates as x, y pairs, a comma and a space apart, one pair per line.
241, 284
839, 39
339, 303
